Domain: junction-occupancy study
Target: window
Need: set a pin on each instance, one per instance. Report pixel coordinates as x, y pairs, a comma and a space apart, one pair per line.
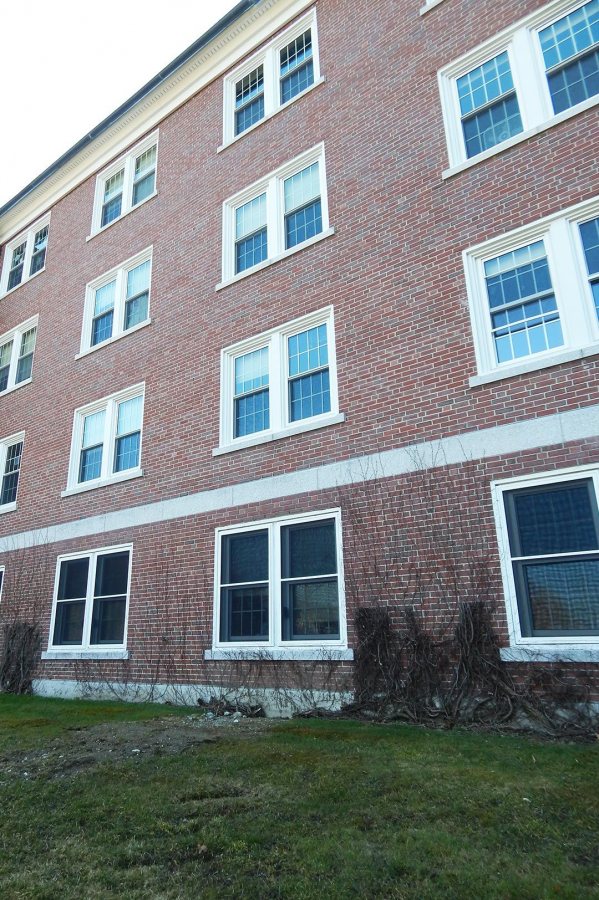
11, 451
16, 355
270, 219
117, 302
271, 78
126, 183
25, 256
279, 583
106, 445
91, 596
549, 530
2, 570
533, 293
280, 382
519, 81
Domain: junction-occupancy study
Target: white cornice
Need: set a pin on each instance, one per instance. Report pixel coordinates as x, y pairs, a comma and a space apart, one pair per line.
209, 63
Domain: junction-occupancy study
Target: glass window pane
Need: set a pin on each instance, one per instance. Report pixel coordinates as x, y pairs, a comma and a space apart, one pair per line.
589, 232
252, 413
102, 328
72, 582
311, 610
556, 519
108, 621
68, 627
251, 371
309, 395
564, 595
93, 428
308, 550
90, 465
244, 614
250, 251
126, 452
296, 52
112, 573
250, 217
138, 279
302, 187
244, 557
104, 298
129, 415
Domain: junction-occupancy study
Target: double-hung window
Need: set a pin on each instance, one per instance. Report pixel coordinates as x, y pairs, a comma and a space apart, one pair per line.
549, 533
117, 302
16, 355
534, 293
280, 584
25, 256
284, 211
126, 183
280, 382
91, 597
106, 444
280, 72
522, 80
11, 452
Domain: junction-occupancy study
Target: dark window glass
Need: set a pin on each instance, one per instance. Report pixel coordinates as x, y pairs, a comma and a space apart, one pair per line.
303, 224
245, 557
102, 328
112, 573
310, 610
557, 519
244, 613
250, 251
10, 479
564, 595
108, 621
252, 413
309, 549
297, 67
72, 583
111, 210
136, 310
126, 454
68, 627
90, 465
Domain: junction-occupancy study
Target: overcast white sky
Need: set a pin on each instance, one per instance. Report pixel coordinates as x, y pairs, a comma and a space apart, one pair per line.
66, 65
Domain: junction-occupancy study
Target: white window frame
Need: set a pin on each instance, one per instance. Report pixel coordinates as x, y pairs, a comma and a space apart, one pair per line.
269, 58
15, 335
523, 47
87, 650
2, 580
570, 282
5, 443
272, 185
119, 274
280, 425
27, 237
273, 648
524, 648
110, 405
126, 162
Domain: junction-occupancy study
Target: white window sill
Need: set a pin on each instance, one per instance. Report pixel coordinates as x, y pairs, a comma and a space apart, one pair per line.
548, 653
523, 136
21, 283
533, 365
123, 216
275, 259
16, 387
85, 654
257, 439
91, 485
270, 115
428, 6
8, 507
265, 654
112, 340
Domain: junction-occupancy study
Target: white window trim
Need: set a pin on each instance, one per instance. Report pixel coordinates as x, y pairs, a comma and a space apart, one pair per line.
15, 335
528, 71
276, 340
2, 580
428, 5
126, 162
537, 649
110, 404
268, 57
272, 184
118, 273
87, 650
27, 236
570, 281
273, 648
5, 443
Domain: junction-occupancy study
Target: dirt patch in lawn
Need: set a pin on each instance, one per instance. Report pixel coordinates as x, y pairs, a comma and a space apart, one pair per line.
79, 749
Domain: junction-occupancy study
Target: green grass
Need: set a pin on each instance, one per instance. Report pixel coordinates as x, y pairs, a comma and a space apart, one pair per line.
306, 809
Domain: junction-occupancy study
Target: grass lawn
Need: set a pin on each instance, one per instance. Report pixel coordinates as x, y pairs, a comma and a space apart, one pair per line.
301, 809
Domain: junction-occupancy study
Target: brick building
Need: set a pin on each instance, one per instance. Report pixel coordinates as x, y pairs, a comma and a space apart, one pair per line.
311, 323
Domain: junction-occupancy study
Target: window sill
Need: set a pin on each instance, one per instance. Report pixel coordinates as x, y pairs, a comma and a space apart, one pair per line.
271, 115
8, 507
258, 439
120, 218
16, 387
519, 138
265, 654
113, 340
428, 6
114, 479
22, 283
275, 259
533, 365
85, 654
547, 653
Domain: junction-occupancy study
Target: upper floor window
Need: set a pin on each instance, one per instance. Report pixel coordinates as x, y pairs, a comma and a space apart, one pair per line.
2, 570
533, 300
522, 79
281, 71
118, 301
11, 451
273, 216
126, 183
16, 355
25, 256
280, 382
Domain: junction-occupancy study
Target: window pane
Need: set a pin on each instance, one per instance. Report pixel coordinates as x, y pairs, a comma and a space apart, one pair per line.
296, 53
309, 396
25, 363
302, 187
251, 371
589, 232
556, 519
5, 356
112, 573
310, 610
244, 614
570, 35
485, 84
136, 311
102, 328
113, 197
489, 105
244, 557
129, 415
68, 627
297, 81
564, 595
308, 550
104, 298
38, 258
90, 465
10, 479
143, 188
126, 452
93, 428
251, 251
308, 350
249, 100
138, 279
252, 413
303, 224
72, 582
250, 217
16, 266
108, 621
